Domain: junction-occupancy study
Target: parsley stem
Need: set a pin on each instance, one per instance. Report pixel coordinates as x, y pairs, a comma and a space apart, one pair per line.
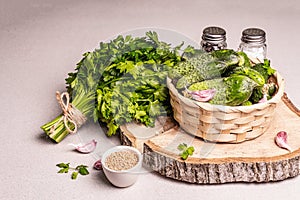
84, 102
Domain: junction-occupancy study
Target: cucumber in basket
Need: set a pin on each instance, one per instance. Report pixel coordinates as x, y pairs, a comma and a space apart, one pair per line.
204, 66
230, 73
232, 91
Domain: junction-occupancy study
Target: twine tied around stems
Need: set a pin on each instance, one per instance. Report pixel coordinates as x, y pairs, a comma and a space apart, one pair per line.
70, 115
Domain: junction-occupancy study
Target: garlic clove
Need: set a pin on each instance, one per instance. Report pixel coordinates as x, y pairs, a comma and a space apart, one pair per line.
98, 165
264, 99
202, 95
281, 140
87, 148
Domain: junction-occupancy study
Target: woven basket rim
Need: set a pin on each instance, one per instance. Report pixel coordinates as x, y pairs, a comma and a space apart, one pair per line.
214, 107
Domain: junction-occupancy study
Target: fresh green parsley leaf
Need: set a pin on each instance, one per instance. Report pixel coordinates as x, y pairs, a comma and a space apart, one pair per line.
63, 170
80, 169
186, 150
74, 175
63, 165
182, 147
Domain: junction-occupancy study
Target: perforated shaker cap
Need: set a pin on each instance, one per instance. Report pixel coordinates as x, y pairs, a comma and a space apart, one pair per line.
214, 34
254, 35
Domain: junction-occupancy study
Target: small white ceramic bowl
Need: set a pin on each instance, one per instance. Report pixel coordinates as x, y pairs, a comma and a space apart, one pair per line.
122, 178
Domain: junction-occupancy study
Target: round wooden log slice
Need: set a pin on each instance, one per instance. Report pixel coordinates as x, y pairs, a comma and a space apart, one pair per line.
258, 160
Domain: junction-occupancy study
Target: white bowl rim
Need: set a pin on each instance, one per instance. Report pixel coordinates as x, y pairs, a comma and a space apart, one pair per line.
122, 148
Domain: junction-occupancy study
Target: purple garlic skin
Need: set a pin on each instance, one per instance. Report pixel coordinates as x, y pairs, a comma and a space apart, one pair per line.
281, 140
98, 165
264, 99
88, 147
202, 95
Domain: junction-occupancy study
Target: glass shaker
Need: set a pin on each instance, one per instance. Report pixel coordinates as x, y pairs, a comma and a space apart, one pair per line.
213, 38
253, 44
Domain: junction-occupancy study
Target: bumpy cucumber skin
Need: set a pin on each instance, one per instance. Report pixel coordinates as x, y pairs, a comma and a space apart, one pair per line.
205, 71
244, 60
239, 89
251, 73
192, 64
231, 91
203, 67
228, 71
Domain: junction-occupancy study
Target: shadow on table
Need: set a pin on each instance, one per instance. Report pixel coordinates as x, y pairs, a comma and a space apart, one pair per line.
43, 138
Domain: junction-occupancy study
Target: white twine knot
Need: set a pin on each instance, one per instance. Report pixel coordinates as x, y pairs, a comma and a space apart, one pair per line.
71, 115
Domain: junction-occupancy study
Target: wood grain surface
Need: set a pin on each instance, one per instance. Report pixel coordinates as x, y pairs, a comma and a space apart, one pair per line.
258, 160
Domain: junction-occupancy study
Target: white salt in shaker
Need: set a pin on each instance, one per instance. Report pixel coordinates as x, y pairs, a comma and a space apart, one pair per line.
253, 44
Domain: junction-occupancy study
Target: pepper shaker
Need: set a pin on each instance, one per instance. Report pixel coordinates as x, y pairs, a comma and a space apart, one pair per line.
213, 38
253, 44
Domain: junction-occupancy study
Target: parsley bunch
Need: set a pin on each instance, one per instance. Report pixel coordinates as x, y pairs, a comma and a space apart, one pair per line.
134, 86
122, 81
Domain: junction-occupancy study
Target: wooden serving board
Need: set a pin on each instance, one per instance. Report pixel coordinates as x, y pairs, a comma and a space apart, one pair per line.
258, 160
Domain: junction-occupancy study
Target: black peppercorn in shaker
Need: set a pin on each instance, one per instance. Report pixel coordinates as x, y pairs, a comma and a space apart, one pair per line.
213, 38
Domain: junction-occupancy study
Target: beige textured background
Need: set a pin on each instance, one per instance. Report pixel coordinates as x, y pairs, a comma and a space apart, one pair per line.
41, 41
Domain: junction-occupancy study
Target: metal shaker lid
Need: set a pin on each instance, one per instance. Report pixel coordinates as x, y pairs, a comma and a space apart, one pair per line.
253, 35
214, 34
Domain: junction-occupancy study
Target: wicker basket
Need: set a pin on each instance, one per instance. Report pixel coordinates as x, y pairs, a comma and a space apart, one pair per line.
228, 124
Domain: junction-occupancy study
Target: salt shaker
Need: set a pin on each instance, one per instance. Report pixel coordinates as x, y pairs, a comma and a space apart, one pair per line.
253, 44
213, 38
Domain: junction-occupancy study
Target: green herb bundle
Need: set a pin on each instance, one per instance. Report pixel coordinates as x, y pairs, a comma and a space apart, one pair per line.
122, 81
